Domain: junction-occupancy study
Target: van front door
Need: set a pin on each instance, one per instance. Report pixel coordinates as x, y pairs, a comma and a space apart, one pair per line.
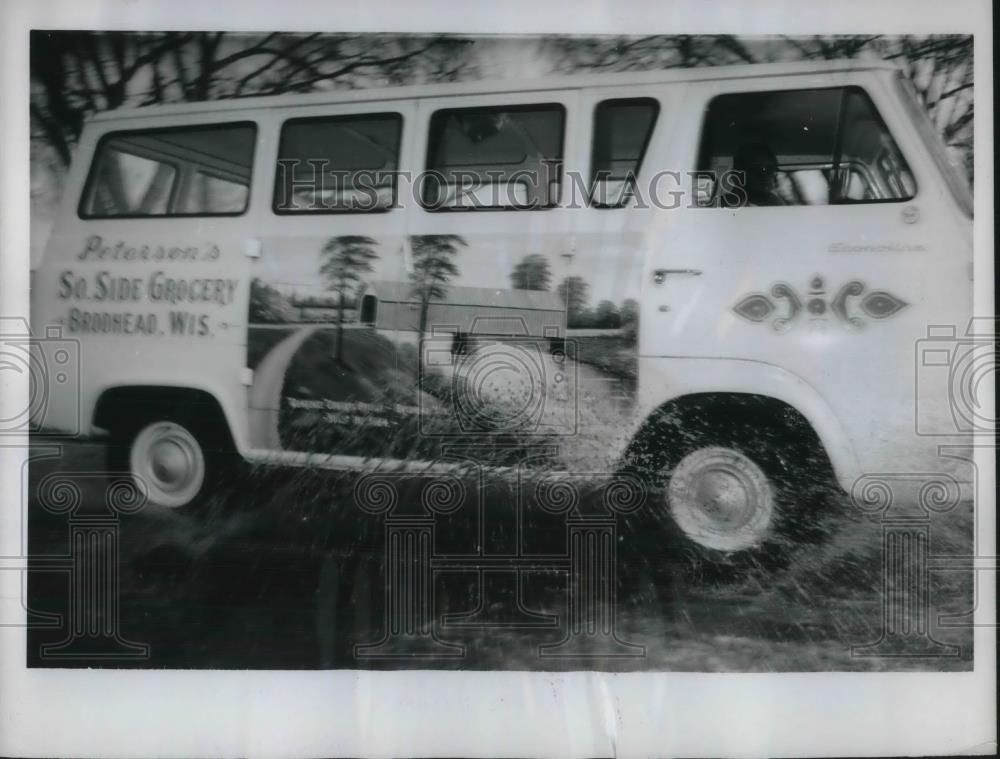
819, 246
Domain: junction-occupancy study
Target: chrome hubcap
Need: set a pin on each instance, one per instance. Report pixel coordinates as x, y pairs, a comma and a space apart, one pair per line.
168, 461
721, 499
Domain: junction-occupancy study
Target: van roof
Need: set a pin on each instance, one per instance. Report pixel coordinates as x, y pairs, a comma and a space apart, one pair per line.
499, 86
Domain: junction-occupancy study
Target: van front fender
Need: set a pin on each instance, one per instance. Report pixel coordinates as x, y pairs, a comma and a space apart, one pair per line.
664, 379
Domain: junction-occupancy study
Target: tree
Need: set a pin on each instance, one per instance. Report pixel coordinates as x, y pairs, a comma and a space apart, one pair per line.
940, 67
655, 51
344, 260
433, 268
532, 273
629, 311
630, 319
76, 74
607, 316
574, 292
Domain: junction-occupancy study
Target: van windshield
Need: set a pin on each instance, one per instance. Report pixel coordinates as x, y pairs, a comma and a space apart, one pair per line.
957, 183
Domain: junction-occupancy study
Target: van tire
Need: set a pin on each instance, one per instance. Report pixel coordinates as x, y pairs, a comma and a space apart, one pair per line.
727, 502
175, 462
734, 489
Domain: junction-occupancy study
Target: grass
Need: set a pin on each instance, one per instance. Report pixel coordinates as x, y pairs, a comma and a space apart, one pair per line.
248, 584
370, 404
615, 355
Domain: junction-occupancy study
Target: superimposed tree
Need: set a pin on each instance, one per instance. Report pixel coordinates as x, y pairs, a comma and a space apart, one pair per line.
531, 273
344, 260
575, 294
433, 267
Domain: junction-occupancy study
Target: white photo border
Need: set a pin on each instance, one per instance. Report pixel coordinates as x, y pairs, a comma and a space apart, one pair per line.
354, 713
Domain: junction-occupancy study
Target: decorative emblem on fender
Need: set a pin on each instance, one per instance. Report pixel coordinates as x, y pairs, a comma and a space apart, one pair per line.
782, 306
755, 307
879, 304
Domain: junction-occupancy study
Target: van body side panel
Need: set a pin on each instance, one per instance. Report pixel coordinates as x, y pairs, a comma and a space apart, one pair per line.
153, 299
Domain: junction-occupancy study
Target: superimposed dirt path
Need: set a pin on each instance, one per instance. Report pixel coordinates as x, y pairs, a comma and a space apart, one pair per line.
265, 393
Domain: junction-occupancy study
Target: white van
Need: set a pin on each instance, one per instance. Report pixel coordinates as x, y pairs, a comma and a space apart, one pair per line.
719, 274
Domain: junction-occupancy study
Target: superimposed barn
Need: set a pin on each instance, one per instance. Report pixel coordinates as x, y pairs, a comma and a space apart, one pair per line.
393, 308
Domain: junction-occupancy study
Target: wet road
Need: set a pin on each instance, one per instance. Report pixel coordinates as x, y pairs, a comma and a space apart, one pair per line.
287, 569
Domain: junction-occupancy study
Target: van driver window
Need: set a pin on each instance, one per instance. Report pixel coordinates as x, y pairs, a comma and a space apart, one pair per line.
622, 129
799, 147
498, 157
338, 164
197, 171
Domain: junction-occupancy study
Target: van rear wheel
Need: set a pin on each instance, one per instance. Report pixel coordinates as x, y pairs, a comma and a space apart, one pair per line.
169, 460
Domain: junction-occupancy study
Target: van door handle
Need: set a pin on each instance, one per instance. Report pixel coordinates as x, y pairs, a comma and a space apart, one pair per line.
660, 275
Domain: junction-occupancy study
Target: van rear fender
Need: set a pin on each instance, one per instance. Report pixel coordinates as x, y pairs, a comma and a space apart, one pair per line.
129, 404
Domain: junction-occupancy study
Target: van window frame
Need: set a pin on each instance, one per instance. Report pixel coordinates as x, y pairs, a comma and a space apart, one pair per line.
401, 119
554, 105
97, 155
701, 149
958, 183
638, 100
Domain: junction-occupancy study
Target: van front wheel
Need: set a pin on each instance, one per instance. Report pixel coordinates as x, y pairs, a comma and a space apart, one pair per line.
721, 499
167, 459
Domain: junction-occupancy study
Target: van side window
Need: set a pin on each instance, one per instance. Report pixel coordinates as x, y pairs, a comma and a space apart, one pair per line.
497, 157
622, 129
189, 171
799, 147
338, 164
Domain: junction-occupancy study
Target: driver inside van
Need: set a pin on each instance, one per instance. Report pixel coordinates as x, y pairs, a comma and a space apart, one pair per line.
756, 170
